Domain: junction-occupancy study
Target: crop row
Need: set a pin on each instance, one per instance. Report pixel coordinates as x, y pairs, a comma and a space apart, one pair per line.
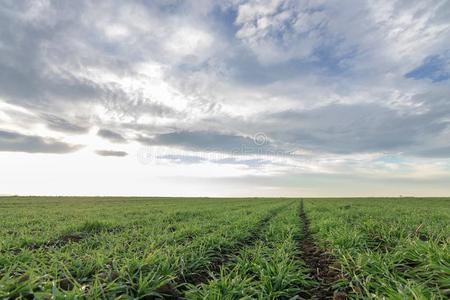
268, 268
118, 259
387, 248
140, 248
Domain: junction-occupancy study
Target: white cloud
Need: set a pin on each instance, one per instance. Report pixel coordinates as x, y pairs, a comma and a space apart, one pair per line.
323, 78
279, 30
188, 41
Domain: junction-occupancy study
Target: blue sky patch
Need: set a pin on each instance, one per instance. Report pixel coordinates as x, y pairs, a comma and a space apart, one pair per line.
434, 67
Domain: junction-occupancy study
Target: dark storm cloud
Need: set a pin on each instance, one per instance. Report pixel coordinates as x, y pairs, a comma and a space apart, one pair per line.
111, 153
112, 136
17, 142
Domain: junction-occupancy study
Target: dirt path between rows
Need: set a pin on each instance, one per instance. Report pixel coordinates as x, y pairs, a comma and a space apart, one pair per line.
222, 258
322, 266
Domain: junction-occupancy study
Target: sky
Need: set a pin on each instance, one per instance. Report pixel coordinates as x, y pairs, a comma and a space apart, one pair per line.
227, 98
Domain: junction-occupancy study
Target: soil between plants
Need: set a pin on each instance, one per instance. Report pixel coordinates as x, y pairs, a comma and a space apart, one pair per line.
323, 267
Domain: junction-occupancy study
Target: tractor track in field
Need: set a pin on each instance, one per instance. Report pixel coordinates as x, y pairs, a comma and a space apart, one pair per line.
63, 240
322, 266
50, 244
221, 258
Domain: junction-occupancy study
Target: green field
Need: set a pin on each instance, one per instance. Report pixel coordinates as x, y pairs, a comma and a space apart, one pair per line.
152, 248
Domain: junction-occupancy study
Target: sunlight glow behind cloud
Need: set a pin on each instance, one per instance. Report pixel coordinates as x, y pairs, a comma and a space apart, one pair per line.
355, 94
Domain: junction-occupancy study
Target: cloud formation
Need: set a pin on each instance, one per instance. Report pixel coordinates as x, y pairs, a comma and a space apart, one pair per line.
111, 136
111, 153
201, 141
63, 125
17, 142
331, 80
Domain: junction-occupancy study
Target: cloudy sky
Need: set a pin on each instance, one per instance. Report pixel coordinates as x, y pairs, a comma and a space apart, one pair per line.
225, 98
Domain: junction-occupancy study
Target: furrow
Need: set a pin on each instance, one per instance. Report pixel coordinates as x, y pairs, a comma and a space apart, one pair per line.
222, 257
322, 266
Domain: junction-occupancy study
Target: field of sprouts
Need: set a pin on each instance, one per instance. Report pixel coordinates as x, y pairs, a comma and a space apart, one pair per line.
205, 248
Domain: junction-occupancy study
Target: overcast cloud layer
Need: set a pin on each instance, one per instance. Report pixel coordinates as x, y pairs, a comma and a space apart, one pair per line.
226, 97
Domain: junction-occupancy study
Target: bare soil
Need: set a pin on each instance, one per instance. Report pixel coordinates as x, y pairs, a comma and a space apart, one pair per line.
323, 267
